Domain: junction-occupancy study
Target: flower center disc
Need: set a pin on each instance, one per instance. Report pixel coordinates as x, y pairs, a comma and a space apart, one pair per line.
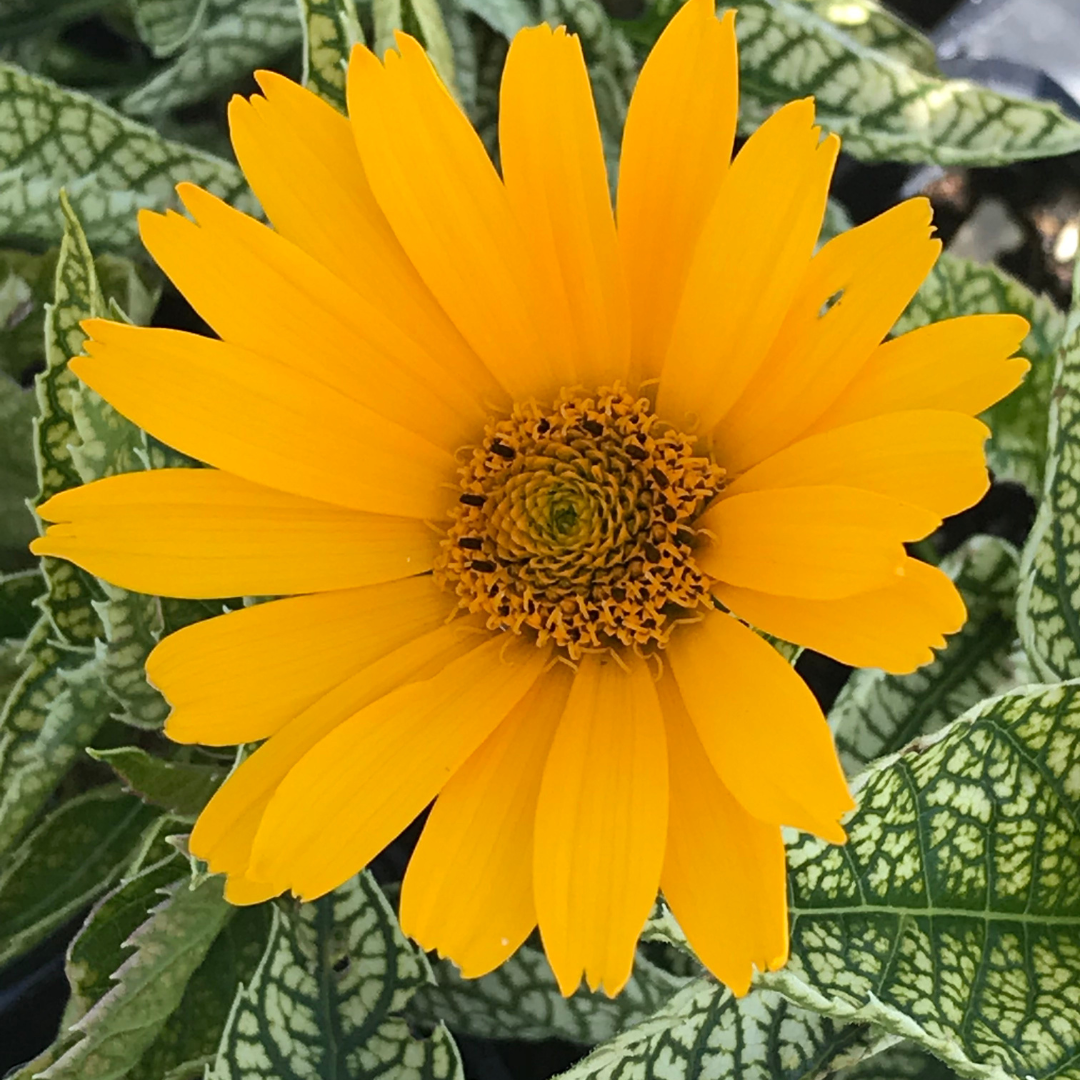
575, 522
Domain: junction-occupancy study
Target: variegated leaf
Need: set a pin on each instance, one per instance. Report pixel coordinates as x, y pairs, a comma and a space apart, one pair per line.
52, 137
331, 28
882, 107
521, 1000
327, 998
166, 25
236, 37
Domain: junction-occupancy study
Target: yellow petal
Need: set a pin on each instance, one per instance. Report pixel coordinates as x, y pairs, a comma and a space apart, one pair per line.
752, 254
243, 891
930, 459
468, 891
262, 420
893, 628
820, 543
761, 727
675, 153
961, 364
299, 155
226, 828
553, 168
240, 677
201, 534
601, 823
266, 295
356, 789
450, 212
724, 873
875, 268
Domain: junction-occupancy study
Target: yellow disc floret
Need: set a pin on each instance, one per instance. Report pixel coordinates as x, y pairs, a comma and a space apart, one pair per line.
575, 522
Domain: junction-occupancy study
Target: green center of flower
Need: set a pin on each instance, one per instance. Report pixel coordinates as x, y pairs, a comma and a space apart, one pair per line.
575, 522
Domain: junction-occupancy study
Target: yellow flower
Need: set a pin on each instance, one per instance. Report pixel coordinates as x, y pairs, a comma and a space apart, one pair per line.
525, 481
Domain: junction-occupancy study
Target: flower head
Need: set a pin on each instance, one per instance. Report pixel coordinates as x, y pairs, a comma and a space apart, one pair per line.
527, 483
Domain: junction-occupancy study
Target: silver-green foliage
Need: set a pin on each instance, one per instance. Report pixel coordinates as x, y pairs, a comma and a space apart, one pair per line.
327, 997
883, 107
1049, 604
52, 137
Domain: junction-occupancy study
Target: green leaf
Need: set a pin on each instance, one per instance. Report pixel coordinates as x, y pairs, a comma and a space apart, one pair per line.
182, 789
905, 1061
25, 285
704, 1031
69, 860
435, 39
331, 28
956, 286
236, 37
878, 714
521, 1000
327, 996
18, 475
883, 108
52, 712
150, 984
1048, 614
52, 137
874, 26
505, 16
18, 613
164, 26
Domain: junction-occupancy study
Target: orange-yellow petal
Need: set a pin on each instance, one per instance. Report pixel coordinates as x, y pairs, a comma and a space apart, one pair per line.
357, 788
601, 823
865, 278
468, 891
964, 364
675, 153
725, 875
931, 459
553, 168
225, 831
299, 155
262, 420
201, 533
819, 543
894, 628
242, 676
449, 210
750, 259
761, 727
259, 291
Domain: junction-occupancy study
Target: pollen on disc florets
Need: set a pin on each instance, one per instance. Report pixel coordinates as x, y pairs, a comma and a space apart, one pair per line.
575, 522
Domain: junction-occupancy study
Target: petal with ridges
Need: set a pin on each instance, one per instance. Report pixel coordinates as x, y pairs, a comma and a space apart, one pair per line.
820, 543
556, 180
961, 364
930, 459
239, 677
259, 291
201, 534
751, 256
675, 153
601, 822
262, 420
449, 210
761, 727
226, 829
299, 155
725, 875
865, 278
893, 628
468, 891
356, 789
